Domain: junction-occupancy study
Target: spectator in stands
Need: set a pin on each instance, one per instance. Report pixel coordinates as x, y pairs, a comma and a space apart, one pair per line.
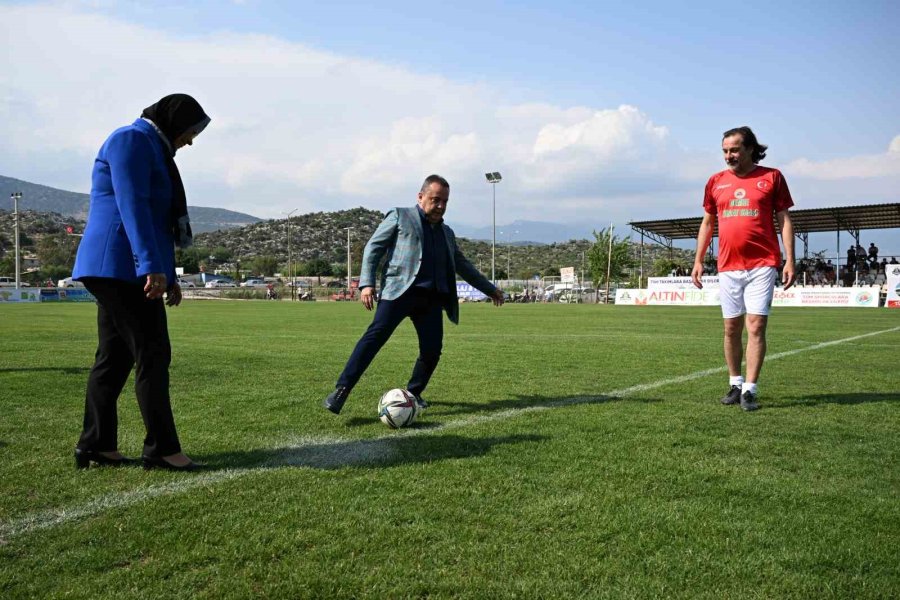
873, 254
851, 258
138, 214
893, 261
746, 199
882, 267
418, 281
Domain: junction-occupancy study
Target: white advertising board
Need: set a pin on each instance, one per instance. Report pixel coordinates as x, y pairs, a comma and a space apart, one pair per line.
708, 296
464, 291
893, 286
567, 274
680, 283
859, 297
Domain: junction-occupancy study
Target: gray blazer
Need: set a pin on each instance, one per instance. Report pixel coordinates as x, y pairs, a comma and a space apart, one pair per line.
396, 248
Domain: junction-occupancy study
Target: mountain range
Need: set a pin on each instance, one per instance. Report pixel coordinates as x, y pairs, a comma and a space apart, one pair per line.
43, 198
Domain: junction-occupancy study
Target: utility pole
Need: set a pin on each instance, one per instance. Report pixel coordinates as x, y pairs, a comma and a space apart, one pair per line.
15, 196
349, 272
290, 257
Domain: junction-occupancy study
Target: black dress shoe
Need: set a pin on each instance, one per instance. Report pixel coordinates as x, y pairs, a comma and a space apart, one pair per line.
158, 462
84, 458
421, 402
335, 400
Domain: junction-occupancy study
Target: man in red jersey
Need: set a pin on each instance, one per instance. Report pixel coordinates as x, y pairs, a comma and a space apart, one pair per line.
744, 198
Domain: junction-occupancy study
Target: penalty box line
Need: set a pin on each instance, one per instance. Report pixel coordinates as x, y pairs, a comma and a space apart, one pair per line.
331, 453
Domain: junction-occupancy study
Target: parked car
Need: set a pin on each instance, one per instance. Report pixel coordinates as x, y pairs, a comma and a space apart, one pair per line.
185, 283
217, 283
299, 283
335, 284
254, 283
68, 282
11, 282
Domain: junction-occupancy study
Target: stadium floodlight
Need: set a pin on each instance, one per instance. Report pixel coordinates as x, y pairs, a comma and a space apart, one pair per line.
15, 197
494, 178
290, 257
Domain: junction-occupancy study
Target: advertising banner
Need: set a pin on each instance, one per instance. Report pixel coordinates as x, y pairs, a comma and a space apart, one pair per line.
858, 297
680, 283
567, 274
893, 286
75, 295
708, 296
20, 295
468, 293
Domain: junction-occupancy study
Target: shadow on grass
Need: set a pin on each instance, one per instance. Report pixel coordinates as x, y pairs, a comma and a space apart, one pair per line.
65, 370
843, 399
518, 403
377, 453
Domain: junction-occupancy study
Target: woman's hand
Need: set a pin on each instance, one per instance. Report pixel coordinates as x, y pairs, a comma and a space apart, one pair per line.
173, 296
155, 286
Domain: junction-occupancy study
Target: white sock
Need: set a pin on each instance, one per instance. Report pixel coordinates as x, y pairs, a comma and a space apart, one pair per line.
749, 387
735, 380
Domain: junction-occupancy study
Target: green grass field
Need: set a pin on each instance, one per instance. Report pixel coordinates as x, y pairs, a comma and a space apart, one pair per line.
570, 451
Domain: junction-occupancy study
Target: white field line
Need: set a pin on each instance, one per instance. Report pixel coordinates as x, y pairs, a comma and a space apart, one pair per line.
329, 453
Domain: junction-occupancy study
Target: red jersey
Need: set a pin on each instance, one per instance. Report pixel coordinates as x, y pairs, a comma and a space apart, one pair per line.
745, 208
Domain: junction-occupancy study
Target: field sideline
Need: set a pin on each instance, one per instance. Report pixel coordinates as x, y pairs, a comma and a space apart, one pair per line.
569, 451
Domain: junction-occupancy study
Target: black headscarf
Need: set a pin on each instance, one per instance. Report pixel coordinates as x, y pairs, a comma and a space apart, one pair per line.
175, 115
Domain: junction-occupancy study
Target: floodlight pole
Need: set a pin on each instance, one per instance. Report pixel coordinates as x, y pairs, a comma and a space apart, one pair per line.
494, 178
15, 196
290, 255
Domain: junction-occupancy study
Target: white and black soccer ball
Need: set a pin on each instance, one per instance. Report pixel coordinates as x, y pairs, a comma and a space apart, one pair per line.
398, 408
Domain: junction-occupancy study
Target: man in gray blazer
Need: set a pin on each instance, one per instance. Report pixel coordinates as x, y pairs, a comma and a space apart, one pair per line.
419, 261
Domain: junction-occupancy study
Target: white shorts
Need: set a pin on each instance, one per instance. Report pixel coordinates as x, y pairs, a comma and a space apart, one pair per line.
748, 292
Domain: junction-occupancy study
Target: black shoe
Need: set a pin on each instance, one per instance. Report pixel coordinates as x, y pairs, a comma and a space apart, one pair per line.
335, 400
158, 462
84, 458
748, 401
420, 402
732, 397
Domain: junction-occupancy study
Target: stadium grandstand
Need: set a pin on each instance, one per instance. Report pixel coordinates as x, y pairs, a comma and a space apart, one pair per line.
849, 219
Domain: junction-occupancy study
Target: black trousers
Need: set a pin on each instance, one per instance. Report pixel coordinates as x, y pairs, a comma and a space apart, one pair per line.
425, 309
132, 332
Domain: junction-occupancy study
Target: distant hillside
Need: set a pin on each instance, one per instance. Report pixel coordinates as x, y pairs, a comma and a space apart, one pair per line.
42, 198
323, 235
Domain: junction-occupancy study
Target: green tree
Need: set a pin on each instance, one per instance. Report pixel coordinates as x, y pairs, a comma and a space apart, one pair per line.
339, 270
618, 261
264, 265
58, 250
188, 259
317, 267
662, 267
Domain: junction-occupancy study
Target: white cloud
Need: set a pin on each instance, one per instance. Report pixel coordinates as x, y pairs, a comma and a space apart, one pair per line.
886, 164
299, 127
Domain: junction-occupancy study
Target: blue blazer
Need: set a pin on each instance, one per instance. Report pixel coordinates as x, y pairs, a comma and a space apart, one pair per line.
129, 230
396, 247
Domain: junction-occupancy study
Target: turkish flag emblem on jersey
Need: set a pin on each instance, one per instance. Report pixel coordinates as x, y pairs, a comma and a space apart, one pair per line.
763, 185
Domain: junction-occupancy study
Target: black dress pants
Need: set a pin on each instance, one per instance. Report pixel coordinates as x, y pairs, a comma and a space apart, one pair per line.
425, 309
132, 332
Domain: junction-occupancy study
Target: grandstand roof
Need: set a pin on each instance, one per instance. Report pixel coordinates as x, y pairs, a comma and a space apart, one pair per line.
813, 220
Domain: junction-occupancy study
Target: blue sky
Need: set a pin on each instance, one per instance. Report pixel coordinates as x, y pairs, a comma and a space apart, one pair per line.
594, 112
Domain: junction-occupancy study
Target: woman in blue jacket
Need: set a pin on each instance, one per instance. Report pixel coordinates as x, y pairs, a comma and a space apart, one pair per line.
126, 259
